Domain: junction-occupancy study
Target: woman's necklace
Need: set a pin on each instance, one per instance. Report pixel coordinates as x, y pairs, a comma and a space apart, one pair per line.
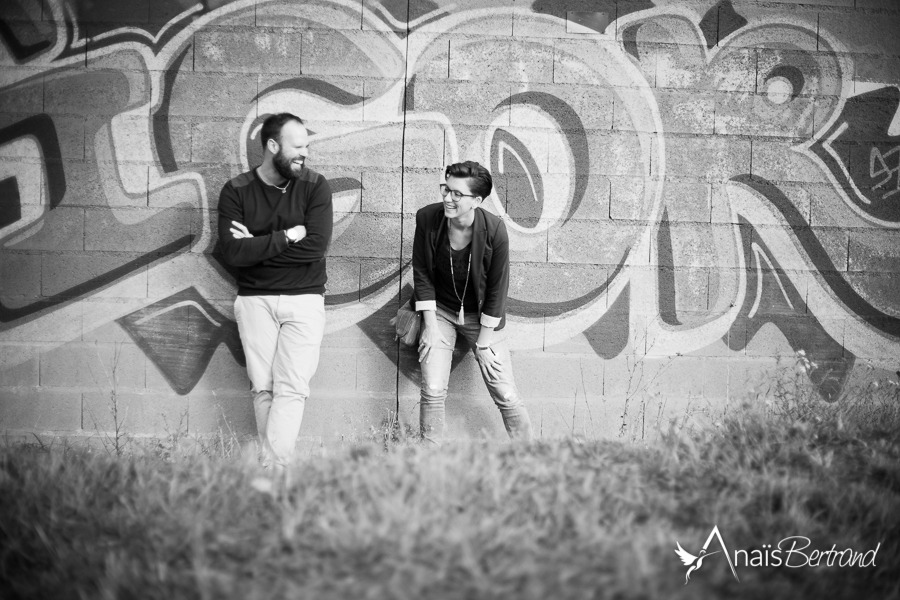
461, 317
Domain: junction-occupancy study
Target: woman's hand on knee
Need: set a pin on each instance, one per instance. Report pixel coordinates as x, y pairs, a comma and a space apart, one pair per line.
431, 337
489, 363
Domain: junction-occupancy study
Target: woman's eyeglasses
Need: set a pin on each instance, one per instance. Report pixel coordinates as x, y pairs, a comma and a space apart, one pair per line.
445, 189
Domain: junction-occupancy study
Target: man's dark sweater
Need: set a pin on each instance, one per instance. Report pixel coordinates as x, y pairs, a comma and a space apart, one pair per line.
267, 263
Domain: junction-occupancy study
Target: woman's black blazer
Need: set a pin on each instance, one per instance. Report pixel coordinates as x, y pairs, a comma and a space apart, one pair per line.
490, 261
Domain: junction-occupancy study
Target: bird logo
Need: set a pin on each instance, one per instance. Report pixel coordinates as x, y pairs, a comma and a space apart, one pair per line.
695, 562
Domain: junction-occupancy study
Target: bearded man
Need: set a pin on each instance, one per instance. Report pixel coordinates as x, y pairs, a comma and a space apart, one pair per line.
275, 224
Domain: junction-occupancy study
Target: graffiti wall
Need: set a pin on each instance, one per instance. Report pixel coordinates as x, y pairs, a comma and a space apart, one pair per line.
695, 192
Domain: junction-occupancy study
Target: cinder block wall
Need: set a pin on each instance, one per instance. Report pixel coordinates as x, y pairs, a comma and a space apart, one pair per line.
696, 192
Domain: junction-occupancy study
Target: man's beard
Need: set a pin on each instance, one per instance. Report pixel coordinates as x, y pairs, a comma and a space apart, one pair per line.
284, 166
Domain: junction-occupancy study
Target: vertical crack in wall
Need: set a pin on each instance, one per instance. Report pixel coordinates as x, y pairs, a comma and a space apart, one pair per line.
402, 203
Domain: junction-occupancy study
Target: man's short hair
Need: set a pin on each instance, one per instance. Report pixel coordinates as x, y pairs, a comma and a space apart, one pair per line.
271, 127
481, 183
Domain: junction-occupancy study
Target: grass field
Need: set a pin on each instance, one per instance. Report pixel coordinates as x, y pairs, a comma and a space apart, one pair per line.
392, 519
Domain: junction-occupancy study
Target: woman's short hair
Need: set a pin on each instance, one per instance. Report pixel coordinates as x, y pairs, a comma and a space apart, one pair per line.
481, 183
271, 127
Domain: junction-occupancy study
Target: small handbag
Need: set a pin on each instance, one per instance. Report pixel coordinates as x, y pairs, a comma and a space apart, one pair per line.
407, 323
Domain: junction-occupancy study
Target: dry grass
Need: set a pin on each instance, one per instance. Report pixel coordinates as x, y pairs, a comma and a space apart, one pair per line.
561, 519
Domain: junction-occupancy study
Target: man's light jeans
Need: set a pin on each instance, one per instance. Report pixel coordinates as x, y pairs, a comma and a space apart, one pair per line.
281, 336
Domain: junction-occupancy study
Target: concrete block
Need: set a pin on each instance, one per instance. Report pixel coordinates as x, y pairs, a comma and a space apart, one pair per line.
473, 417
69, 131
341, 53
134, 412
343, 276
877, 69
633, 377
378, 15
866, 33
62, 230
770, 340
751, 379
500, 59
684, 67
213, 95
40, 409
222, 373
348, 93
423, 145
611, 153
889, 5
495, 22
825, 82
551, 283
323, 16
206, 141
224, 412
29, 182
774, 114
875, 251
248, 51
91, 92
836, 243
375, 271
543, 375
370, 235
158, 227
20, 274
408, 236
376, 375
687, 201
380, 148
346, 417
107, 333
579, 242
106, 11
61, 273
715, 379
689, 286
189, 269
215, 176
88, 183
434, 60
19, 366
575, 108
346, 187
880, 289
592, 193
464, 103
681, 111
572, 60
93, 366
25, 93
383, 191
714, 158
692, 245
420, 188
801, 196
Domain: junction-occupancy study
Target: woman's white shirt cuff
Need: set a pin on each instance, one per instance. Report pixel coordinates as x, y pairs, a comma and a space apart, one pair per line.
489, 321
426, 305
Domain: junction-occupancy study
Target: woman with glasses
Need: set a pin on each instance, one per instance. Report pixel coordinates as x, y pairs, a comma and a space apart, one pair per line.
461, 275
